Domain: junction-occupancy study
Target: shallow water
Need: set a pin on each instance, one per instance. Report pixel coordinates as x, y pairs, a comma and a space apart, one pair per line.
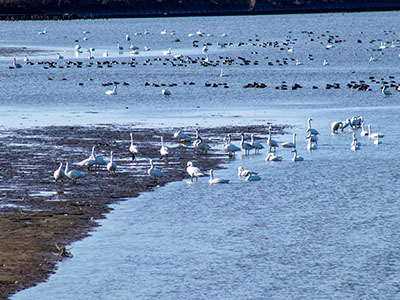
325, 228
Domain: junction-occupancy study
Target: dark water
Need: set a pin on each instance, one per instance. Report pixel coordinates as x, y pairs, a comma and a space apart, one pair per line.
324, 228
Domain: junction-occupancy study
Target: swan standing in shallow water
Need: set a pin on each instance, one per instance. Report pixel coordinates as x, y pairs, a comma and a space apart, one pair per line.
164, 151
251, 177
202, 146
165, 92
291, 144
213, 180
111, 166
59, 173
113, 91
229, 147
373, 135
193, 171
155, 173
133, 149
311, 131
270, 142
243, 173
73, 174
257, 146
245, 146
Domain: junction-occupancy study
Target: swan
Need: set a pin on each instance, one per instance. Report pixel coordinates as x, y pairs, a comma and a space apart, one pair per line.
165, 92
336, 126
15, 64
245, 146
298, 63
355, 145
59, 173
119, 47
222, 74
164, 151
73, 174
111, 166
77, 48
105, 53
26, 59
385, 92
59, 56
377, 141
193, 171
251, 177
257, 146
90, 161
127, 37
213, 180
133, 149
205, 49
355, 122
295, 157
363, 131
202, 146
229, 147
325, 62
243, 173
113, 91
164, 31
182, 137
310, 130
271, 156
168, 52
291, 144
155, 173
270, 142
373, 135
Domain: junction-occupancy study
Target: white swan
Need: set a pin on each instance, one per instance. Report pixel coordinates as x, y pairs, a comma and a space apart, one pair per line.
133, 149
385, 91
167, 53
15, 64
325, 62
193, 171
243, 173
336, 126
245, 146
202, 146
291, 144
182, 137
111, 166
251, 177
310, 130
155, 173
164, 31
164, 151
59, 56
113, 91
363, 131
271, 156
257, 146
26, 59
377, 141
229, 147
270, 142
373, 135
73, 174
90, 161
295, 157
105, 53
213, 180
59, 173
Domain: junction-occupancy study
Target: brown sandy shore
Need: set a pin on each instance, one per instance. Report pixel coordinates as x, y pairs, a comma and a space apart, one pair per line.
36, 213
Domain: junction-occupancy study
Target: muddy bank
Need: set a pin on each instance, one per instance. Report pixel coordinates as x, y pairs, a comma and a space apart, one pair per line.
36, 213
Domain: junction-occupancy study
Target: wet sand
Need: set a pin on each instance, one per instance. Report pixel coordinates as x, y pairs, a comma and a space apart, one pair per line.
37, 213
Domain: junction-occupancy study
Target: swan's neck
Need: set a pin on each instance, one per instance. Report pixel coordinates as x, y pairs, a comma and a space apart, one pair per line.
211, 175
66, 168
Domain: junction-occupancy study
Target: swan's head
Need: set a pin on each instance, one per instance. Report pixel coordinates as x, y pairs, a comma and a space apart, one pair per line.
189, 164
240, 169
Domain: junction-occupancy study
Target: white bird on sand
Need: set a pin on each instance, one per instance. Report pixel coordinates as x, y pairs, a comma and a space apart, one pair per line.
270, 142
271, 156
155, 173
310, 130
165, 92
133, 149
245, 146
59, 173
256, 145
111, 166
243, 173
373, 135
229, 147
213, 180
291, 144
193, 171
182, 137
113, 91
164, 151
295, 157
251, 177
73, 174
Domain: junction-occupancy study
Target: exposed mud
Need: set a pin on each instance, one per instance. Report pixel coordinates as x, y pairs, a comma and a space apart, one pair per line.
36, 212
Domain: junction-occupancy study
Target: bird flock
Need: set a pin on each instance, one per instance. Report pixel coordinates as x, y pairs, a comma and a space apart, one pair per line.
95, 162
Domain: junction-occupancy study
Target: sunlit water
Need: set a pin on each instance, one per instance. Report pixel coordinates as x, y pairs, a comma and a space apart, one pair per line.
324, 228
